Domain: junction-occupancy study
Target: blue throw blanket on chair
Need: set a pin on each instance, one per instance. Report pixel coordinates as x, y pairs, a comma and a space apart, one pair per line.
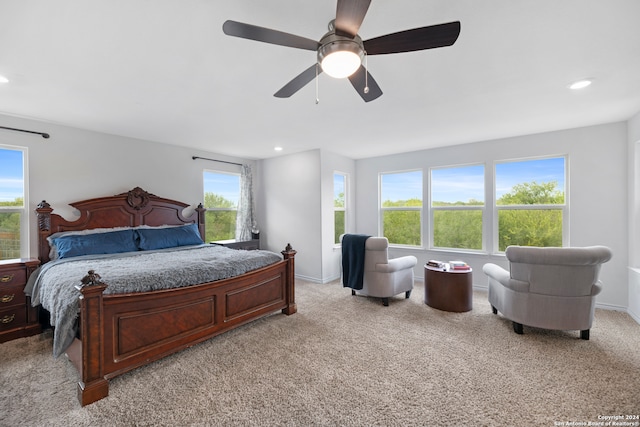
353, 260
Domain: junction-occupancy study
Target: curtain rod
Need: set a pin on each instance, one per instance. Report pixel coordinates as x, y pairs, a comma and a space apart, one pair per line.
44, 135
214, 160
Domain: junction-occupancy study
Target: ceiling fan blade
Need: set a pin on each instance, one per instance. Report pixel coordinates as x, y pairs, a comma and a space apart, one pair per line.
252, 32
417, 39
359, 83
349, 16
298, 82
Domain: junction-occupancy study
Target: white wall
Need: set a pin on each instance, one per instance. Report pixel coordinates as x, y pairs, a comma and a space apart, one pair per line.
331, 254
634, 216
74, 165
290, 206
597, 194
297, 200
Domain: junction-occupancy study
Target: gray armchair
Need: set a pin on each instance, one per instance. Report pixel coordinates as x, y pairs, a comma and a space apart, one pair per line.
548, 288
384, 277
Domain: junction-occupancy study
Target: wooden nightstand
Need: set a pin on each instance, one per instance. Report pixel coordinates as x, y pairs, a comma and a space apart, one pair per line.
17, 318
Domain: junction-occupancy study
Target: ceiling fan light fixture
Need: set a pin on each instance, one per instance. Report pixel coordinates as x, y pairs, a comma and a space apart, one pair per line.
341, 64
580, 84
340, 58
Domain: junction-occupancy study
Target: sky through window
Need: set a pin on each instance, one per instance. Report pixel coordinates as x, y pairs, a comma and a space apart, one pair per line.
11, 175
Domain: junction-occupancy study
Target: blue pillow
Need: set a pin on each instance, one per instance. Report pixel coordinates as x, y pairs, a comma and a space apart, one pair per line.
113, 242
168, 237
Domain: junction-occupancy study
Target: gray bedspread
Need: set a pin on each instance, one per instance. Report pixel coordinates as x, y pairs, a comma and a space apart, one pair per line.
53, 284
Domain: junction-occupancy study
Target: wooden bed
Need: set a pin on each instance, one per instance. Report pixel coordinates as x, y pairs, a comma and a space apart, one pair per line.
120, 332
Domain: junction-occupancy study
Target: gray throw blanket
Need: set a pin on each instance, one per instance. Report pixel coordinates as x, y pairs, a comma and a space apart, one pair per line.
53, 285
353, 260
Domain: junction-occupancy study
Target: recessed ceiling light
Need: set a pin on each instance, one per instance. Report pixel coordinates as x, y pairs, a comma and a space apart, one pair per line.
3, 79
277, 148
580, 84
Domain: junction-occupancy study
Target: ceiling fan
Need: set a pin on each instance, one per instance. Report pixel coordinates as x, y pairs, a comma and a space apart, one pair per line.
341, 51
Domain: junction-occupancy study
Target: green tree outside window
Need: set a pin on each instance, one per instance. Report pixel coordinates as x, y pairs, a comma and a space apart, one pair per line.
401, 208
531, 227
220, 224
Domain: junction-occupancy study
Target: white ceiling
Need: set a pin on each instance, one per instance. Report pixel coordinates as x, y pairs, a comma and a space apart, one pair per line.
162, 70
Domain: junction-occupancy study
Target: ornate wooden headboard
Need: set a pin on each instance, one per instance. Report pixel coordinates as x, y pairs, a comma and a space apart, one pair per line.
131, 209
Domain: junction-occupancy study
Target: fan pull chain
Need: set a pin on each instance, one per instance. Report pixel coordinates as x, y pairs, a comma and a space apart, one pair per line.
317, 96
366, 73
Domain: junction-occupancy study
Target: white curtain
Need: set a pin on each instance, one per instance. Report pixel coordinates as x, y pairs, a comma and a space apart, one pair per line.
245, 222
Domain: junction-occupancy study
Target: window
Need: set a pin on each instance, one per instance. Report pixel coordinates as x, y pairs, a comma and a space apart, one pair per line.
339, 205
457, 207
221, 195
530, 202
13, 202
401, 207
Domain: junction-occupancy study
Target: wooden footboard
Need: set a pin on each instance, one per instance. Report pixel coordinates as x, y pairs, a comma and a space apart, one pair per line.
122, 332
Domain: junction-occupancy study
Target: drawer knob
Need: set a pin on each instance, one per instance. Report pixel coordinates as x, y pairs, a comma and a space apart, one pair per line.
8, 319
7, 298
6, 278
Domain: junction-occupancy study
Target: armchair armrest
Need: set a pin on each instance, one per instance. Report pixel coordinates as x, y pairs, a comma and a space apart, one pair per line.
503, 277
397, 264
596, 288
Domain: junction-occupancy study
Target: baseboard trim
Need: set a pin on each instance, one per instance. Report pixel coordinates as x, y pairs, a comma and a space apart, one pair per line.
310, 279
634, 316
611, 307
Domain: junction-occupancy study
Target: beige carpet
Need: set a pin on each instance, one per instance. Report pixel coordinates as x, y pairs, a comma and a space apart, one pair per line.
349, 361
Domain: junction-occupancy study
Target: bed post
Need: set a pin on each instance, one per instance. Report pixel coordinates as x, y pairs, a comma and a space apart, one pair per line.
289, 254
93, 385
200, 210
43, 213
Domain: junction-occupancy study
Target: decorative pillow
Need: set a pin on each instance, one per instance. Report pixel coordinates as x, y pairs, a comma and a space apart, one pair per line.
53, 252
97, 243
160, 238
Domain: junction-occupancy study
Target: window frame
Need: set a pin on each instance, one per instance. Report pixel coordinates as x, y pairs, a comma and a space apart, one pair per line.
215, 209
23, 211
382, 209
564, 208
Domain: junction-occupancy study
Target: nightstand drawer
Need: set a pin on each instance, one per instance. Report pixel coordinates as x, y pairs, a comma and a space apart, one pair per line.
12, 318
12, 295
17, 318
13, 276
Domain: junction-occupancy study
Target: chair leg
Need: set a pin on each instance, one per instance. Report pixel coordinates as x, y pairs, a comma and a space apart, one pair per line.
407, 294
385, 302
584, 334
495, 310
517, 328
353, 292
